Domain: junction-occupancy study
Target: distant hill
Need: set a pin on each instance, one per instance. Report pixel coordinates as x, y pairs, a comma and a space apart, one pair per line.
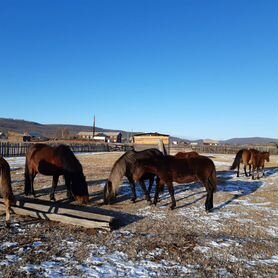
250, 140
49, 130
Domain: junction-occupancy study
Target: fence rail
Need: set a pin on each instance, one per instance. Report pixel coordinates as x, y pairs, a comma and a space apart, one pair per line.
19, 149
233, 149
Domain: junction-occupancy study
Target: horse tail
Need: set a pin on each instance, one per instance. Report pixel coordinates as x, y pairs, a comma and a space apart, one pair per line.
213, 180
237, 160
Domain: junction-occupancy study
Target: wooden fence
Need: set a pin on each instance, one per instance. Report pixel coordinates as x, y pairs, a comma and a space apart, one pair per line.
19, 149
224, 149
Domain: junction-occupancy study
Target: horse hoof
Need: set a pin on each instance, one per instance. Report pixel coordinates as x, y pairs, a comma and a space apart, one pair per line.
8, 224
133, 200
172, 207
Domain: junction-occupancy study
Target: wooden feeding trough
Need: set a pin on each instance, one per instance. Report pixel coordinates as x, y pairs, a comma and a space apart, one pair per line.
68, 214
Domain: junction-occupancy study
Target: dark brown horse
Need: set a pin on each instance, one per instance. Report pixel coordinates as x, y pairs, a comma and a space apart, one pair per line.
181, 155
186, 154
170, 169
124, 166
56, 161
257, 162
6, 188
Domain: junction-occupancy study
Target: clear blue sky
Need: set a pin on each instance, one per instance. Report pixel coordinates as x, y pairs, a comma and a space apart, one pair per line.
190, 68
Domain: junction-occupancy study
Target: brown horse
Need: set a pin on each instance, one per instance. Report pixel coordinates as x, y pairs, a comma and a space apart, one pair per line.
257, 161
170, 169
56, 161
124, 166
242, 156
6, 188
181, 155
186, 154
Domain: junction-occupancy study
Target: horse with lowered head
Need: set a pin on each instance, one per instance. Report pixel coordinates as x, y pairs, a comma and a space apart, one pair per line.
170, 169
6, 188
247, 157
56, 161
124, 166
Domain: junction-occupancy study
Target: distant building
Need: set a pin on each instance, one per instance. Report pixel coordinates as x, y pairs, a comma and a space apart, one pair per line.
3, 136
151, 138
110, 137
210, 142
34, 137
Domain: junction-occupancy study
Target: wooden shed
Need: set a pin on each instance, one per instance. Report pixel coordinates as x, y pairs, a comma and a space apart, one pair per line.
149, 140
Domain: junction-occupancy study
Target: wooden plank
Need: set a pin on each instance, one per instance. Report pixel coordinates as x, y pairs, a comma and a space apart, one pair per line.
50, 207
47, 206
60, 218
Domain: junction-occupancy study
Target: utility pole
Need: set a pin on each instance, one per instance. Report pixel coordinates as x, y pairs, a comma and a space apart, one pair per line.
94, 126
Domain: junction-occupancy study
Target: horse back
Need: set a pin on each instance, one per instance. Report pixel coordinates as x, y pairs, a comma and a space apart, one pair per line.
199, 167
186, 154
42, 159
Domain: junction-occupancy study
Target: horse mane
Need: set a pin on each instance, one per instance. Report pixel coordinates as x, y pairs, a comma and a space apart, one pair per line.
124, 166
5, 184
119, 170
71, 163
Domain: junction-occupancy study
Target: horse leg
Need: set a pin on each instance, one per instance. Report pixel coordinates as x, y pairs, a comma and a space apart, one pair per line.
249, 170
263, 170
151, 181
156, 193
68, 186
32, 177
209, 200
258, 172
7, 203
253, 172
146, 193
238, 169
171, 192
54, 185
133, 190
244, 167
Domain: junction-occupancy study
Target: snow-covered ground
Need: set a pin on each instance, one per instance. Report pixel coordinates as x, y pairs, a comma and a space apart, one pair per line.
241, 206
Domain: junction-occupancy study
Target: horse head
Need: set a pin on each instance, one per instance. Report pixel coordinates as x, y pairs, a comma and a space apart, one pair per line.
108, 192
79, 188
267, 156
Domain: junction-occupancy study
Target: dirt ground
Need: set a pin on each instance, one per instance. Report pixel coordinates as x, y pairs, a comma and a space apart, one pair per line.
238, 239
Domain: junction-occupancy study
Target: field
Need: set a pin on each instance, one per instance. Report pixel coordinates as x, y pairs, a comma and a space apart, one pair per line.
238, 239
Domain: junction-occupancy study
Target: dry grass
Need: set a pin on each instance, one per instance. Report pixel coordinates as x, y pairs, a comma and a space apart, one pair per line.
230, 238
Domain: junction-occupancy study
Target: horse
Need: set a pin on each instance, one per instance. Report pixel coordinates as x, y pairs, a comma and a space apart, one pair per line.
6, 188
257, 161
186, 154
181, 155
243, 156
124, 166
56, 161
170, 169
